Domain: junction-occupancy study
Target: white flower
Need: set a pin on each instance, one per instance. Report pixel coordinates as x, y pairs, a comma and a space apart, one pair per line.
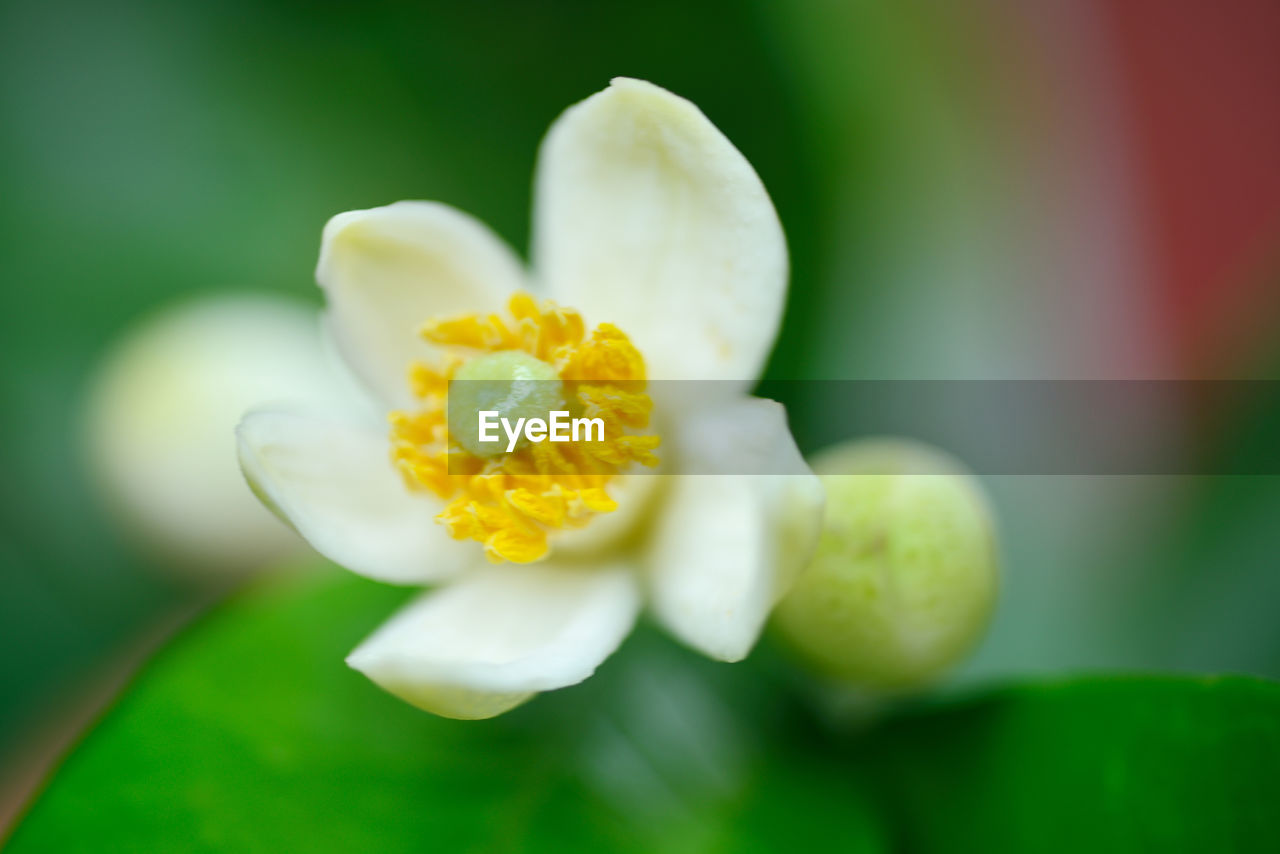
650, 225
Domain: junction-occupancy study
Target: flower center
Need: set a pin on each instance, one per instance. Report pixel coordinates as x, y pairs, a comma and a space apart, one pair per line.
510, 383
535, 362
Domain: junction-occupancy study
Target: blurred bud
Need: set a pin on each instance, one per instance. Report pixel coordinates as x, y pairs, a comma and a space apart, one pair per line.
160, 426
904, 579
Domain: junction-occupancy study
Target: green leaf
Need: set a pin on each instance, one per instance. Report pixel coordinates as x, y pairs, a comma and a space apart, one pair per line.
248, 733
1108, 764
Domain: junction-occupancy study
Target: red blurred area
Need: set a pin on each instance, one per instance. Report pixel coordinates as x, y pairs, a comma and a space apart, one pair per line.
1200, 83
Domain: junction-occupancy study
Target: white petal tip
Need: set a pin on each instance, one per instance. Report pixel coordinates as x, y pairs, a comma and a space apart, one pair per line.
635, 84
448, 701
731, 655
497, 637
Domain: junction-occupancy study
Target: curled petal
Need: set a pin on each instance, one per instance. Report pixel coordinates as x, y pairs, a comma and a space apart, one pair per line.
733, 536
387, 270
334, 482
496, 637
646, 216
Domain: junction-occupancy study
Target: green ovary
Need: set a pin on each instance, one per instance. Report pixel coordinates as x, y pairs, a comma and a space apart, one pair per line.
511, 383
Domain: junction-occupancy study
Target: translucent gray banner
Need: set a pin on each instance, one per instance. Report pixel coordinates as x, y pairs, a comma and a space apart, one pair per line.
999, 427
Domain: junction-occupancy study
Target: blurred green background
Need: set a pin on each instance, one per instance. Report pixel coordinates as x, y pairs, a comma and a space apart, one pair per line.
978, 190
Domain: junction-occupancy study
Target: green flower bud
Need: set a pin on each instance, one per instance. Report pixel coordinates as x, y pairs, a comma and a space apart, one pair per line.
514, 384
904, 578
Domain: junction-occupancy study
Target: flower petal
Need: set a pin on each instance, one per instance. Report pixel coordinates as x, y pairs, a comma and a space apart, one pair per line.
387, 270
499, 635
647, 217
728, 545
334, 482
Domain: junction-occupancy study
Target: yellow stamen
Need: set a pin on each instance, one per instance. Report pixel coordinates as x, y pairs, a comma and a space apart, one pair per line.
511, 502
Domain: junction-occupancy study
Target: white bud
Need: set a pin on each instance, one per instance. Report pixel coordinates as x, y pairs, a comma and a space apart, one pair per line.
905, 576
160, 426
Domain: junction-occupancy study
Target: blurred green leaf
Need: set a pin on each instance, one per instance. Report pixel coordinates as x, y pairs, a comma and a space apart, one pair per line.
249, 733
1106, 764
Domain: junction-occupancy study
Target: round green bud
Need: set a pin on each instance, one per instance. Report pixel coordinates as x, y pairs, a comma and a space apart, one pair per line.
511, 383
905, 576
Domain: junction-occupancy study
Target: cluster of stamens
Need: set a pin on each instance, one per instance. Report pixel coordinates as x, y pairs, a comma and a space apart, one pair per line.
510, 502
